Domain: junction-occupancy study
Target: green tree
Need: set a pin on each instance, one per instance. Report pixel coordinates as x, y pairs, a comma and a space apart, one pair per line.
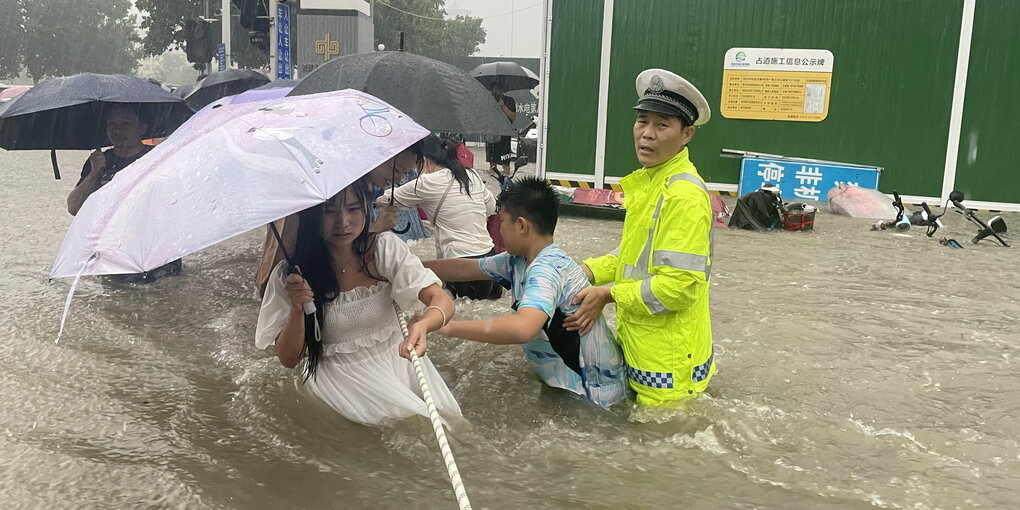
60, 38
12, 31
426, 29
163, 23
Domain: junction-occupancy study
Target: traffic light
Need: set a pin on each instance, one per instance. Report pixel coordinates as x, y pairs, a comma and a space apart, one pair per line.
255, 17
198, 41
254, 14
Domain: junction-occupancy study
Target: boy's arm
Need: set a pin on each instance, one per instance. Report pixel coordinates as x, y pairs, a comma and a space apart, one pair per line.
456, 270
519, 328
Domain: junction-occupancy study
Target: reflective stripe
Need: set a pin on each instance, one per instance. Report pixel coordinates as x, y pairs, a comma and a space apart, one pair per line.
649, 298
634, 273
701, 371
711, 252
616, 252
663, 380
681, 260
642, 260
689, 178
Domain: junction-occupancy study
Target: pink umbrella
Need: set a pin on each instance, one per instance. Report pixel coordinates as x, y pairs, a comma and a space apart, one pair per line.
238, 167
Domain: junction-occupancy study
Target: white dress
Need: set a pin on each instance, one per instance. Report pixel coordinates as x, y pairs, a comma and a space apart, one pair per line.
360, 373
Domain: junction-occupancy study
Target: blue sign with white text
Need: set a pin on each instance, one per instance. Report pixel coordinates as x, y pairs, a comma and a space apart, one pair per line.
800, 180
283, 64
221, 57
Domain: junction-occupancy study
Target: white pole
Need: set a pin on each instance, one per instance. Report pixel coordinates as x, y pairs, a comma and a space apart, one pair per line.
959, 94
543, 73
225, 20
603, 103
272, 39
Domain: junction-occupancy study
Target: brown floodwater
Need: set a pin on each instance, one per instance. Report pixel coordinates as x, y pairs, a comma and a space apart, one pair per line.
857, 369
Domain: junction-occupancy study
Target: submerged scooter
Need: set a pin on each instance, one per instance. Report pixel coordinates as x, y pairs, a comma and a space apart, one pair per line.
901, 223
993, 228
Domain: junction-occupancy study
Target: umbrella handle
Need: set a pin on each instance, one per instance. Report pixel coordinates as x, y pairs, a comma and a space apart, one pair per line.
402, 231
309, 307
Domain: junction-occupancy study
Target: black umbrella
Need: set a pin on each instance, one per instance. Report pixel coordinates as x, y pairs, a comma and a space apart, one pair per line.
278, 83
508, 75
223, 84
437, 95
183, 90
527, 107
68, 113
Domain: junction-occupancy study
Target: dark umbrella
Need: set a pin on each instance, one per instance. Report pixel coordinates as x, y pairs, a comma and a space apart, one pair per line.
223, 84
277, 84
508, 75
527, 107
183, 90
437, 95
68, 113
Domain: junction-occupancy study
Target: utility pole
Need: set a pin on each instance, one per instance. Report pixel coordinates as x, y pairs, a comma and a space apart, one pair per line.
225, 21
272, 39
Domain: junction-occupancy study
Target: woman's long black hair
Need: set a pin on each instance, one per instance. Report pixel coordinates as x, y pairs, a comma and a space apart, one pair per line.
318, 268
443, 151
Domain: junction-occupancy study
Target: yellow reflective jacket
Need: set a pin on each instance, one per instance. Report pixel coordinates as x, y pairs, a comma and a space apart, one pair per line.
660, 282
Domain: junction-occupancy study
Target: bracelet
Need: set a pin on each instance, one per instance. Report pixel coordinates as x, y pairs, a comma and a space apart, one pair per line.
434, 307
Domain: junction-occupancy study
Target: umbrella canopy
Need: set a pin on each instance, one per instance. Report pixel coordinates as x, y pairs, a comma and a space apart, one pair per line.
438, 95
69, 113
12, 92
508, 75
278, 83
239, 167
247, 96
527, 107
222, 84
183, 90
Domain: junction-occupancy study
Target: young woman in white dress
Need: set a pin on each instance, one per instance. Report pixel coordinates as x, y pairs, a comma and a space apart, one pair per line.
350, 343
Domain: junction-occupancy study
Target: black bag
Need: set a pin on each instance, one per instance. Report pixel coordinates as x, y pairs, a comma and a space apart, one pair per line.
758, 210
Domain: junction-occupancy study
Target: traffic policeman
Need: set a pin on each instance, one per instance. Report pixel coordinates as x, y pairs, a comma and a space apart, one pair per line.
660, 272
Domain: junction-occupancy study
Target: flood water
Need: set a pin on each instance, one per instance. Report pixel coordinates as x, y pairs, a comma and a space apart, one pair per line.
856, 369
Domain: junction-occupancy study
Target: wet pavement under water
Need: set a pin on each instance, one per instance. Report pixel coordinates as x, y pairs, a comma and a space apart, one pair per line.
857, 369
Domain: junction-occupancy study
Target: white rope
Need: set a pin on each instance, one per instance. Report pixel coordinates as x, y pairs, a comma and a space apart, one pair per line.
437, 424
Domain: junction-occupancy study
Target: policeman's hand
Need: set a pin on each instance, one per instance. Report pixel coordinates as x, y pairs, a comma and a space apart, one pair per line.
298, 291
387, 219
592, 300
417, 339
97, 162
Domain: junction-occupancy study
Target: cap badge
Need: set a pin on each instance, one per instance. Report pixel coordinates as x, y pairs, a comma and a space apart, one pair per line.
656, 86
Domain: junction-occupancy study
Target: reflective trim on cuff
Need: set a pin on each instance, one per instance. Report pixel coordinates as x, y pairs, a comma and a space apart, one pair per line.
649, 299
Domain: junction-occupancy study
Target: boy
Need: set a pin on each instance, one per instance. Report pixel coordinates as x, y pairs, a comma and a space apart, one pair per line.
544, 281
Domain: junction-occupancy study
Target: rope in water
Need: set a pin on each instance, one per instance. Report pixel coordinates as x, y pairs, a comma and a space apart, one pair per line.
437, 424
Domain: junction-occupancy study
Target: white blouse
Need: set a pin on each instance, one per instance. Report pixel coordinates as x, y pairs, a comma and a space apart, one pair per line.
461, 222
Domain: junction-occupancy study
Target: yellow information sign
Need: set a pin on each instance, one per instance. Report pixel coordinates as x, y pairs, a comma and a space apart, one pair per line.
776, 84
